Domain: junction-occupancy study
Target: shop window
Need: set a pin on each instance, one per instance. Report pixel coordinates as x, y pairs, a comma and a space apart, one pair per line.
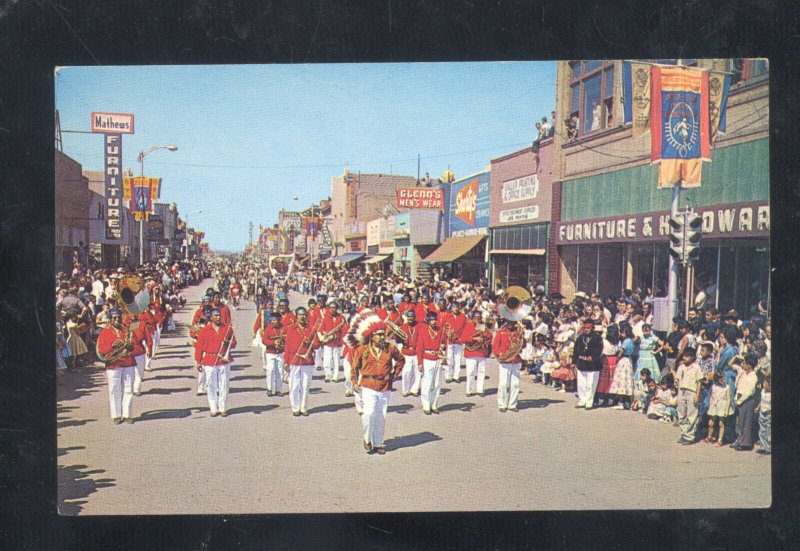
611, 269
569, 269
587, 268
591, 95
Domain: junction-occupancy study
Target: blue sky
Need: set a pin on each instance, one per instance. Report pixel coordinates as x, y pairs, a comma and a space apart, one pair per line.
250, 137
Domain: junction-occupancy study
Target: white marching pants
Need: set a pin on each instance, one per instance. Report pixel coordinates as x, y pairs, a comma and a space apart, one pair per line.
373, 420
476, 374
120, 391
263, 350
455, 353
318, 357
412, 378
508, 385
332, 361
587, 385
138, 372
156, 338
299, 379
274, 363
217, 384
348, 375
431, 384
202, 380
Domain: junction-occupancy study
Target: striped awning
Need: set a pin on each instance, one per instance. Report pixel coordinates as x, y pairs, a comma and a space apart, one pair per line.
376, 259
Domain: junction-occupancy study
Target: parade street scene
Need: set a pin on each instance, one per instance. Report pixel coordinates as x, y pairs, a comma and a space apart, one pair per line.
413, 287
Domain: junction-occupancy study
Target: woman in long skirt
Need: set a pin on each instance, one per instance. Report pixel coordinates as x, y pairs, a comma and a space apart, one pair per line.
74, 340
622, 383
609, 363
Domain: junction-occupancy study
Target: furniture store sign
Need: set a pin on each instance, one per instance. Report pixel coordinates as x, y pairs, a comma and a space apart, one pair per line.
739, 220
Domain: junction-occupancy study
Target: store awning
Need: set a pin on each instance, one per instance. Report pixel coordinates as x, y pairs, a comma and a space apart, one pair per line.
376, 259
454, 248
348, 257
518, 251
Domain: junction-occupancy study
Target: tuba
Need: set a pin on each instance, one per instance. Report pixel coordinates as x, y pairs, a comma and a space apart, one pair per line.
133, 299
517, 303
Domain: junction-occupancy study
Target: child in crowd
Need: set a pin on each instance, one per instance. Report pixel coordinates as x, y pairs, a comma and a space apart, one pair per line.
663, 406
550, 362
640, 390
745, 401
764, 410
688, 382
719, 407
564, 374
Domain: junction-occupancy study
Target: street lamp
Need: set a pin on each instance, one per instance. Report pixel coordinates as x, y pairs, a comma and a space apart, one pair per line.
187, 230
142, 155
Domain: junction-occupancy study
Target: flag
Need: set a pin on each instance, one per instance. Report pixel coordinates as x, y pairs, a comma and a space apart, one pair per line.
679, 124
636, 96
311, 226
718, 87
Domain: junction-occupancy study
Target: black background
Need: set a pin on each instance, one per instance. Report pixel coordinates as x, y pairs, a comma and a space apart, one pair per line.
36, 36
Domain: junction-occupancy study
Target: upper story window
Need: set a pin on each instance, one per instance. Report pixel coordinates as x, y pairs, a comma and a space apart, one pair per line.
591, 96
745, 69
100, 211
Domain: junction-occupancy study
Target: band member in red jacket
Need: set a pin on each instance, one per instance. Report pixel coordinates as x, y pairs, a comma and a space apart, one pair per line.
213, 355
301, 341
287, 317
453, 323
476, 339
149, 321
347, 361
330, 334
506, 346
273, 338
376, 365
224, 311
142, 347
430, 352
316, 312
119, 371
412, 377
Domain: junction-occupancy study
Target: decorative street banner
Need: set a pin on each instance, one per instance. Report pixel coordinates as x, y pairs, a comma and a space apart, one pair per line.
636, 94
141, 194
281, 266
420, 198
679, 125
469, 205
113, 184
311, 225
718, 87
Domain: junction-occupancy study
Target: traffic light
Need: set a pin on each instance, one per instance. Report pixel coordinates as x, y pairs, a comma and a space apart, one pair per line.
692, 233
676, 236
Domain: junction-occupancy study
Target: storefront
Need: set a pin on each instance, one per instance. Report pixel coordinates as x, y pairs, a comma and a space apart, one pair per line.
520, 214
380, 245
463, 253
607, 254
416, 235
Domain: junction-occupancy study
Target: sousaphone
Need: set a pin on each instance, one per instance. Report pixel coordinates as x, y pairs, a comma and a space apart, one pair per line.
517, 303
133, 299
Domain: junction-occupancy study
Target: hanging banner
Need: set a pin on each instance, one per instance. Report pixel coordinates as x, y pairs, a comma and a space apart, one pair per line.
113, 184
142, 194
718, 87
311, 225
281, 266
679, 125
636, 94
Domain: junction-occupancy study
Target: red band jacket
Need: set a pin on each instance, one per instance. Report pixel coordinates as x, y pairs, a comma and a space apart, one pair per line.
211, 346
468, 336
429, 344
105, 341
300, 345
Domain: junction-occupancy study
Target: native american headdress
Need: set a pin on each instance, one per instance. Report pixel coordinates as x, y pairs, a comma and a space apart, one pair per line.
362, 326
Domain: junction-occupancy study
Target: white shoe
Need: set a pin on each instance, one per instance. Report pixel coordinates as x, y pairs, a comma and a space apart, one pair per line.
618, 406
560, 390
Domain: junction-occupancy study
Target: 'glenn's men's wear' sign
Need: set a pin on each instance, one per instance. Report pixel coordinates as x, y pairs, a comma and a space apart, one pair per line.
420, 198
469, 206
739, 220
113, 184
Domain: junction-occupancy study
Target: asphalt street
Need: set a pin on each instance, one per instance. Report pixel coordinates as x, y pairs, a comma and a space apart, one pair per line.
176, 459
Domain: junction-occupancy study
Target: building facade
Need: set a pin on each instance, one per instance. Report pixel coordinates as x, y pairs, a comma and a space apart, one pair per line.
416, 234
110, 253
72, 205
610, 227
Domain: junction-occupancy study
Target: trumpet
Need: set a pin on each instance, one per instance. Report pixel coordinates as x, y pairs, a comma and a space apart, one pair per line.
450, 333
399, 333
280, 343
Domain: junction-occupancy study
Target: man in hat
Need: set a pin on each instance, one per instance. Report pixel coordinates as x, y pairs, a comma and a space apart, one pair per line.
430, 353
453, 323
587, 355
212, 354
301, 342
376, 364
330, 334
476, 338
506, 347
411, 368
273, 338
120, 371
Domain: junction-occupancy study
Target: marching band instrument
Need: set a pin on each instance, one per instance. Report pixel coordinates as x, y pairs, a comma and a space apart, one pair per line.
399, 333
478, 340
329, 335
514, 348
308, 342
517, 304
226, 345
133, 294
119, 348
